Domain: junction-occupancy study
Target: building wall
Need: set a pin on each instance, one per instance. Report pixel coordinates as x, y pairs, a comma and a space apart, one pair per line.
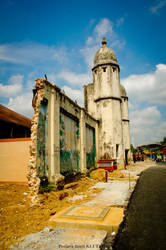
106, 82
64, 135
125, 123
110, 134
106, 100
14, 159
126, 135
59, 133
89, 99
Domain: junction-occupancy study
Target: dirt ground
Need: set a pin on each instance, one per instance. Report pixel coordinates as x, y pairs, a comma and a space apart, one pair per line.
18, 218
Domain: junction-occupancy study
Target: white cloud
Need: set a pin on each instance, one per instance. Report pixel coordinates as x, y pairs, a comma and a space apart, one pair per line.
118, 44
16, 79
30, 84
19, 94
146, 125
150, 87
74, 79
75, 95
22, 104
162, 129
88, 53
52, 78
90, 40
30, 53
160, 4
61, 55
146, 117
13, 88
104, 28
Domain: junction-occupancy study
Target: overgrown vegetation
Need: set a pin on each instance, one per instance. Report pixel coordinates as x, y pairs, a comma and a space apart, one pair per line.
46, 189
46, 186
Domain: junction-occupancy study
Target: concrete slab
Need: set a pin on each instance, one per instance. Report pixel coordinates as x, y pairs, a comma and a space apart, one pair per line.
115, 193
86, 213
98, 218
62, 238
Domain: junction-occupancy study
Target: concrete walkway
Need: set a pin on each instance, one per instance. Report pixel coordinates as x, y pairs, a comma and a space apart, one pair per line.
86, 225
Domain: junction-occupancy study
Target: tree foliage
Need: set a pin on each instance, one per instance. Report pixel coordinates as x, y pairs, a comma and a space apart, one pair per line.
163, 141
132, 149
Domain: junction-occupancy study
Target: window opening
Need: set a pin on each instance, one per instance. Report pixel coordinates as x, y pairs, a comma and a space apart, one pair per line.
117, 150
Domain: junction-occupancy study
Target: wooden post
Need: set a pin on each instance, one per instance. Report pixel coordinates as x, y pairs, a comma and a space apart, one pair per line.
106, 176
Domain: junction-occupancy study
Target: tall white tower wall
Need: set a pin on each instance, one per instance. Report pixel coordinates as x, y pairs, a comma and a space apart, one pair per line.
106, 102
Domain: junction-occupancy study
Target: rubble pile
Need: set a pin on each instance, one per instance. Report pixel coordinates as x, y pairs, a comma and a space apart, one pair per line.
98, 174
116, 173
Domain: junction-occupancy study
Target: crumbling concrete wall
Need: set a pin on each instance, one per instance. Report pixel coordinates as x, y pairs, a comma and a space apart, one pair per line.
58, 136
33, 179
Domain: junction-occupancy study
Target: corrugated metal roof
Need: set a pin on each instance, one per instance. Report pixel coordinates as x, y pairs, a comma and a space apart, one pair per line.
149, 144
11, 116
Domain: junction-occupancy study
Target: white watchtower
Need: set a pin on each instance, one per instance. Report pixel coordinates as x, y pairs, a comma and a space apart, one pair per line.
104, 101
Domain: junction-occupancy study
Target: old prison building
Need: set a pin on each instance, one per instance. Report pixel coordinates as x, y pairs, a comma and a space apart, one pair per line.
69, 138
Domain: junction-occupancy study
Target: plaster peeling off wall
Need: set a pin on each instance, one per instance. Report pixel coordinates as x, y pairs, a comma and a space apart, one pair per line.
69, 144
42, 140
32, 175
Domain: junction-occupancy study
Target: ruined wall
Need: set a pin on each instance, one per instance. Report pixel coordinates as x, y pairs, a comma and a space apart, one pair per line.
90, 105
69, 143
32, 175
59, 132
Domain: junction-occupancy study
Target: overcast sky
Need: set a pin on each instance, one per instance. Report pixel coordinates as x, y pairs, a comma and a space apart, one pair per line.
60, 38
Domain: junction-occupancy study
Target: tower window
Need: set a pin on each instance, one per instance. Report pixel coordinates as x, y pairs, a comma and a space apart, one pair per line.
114, 69
104, 69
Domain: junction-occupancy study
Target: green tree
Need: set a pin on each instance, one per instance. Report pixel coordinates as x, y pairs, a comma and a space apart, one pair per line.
163, 141
132, 149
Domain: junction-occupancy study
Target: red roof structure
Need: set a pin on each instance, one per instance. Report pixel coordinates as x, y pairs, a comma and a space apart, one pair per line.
13, 117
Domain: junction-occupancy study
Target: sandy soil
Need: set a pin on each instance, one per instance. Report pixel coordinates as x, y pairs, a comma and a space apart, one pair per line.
18, 218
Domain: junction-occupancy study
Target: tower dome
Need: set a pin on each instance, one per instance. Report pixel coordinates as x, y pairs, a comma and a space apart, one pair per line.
123, 91
104, 55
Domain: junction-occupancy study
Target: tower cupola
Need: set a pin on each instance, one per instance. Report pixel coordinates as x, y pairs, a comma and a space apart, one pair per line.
104, 55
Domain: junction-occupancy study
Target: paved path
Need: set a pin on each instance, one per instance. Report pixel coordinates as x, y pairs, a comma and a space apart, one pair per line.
145, 225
